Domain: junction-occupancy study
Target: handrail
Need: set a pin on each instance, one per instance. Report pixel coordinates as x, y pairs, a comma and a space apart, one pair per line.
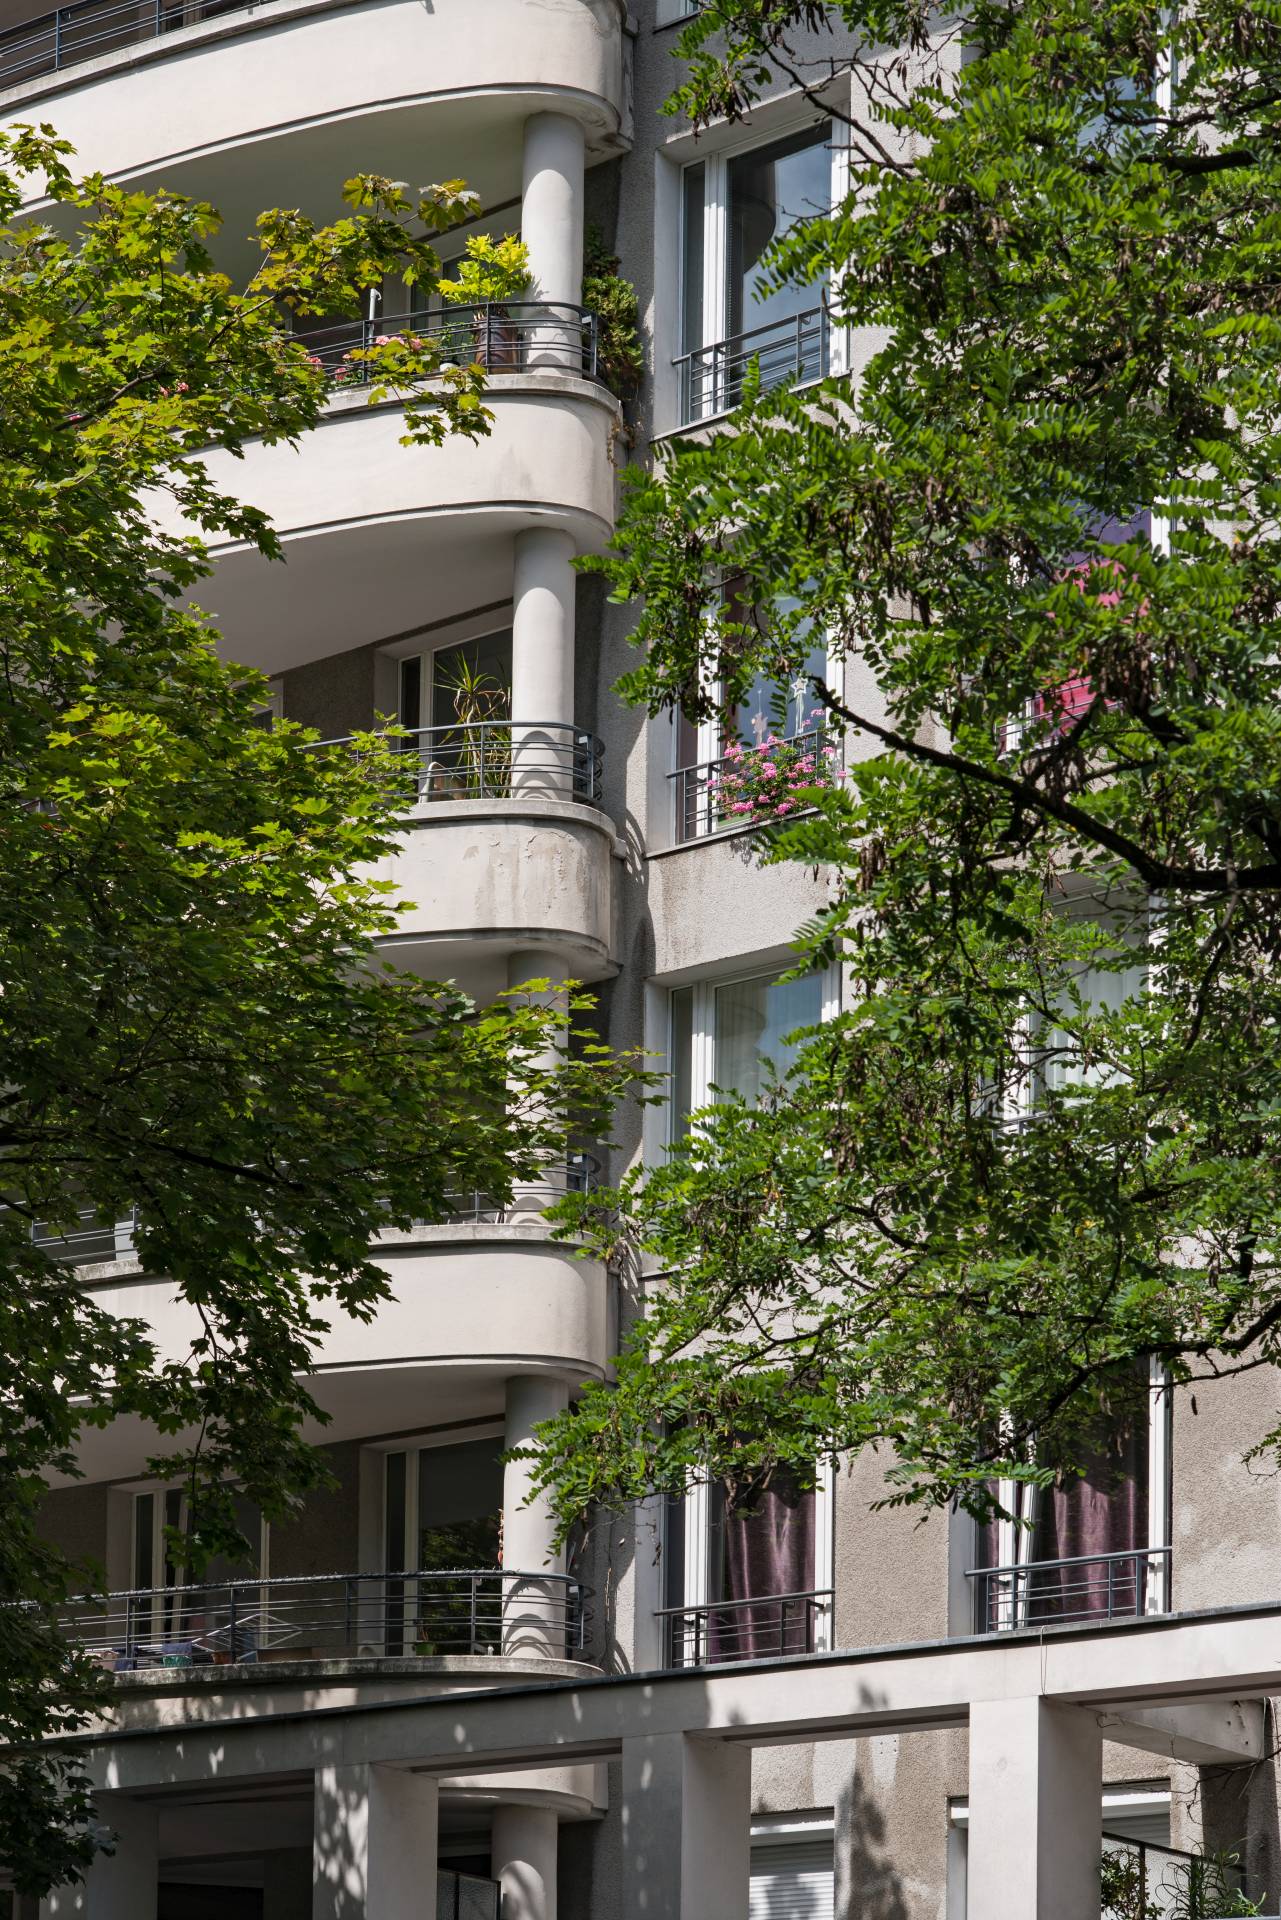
48, 42
486, 1610
794, 348
494, 760
578, 1173
760, 1627
509, 336
699, 791
1114, 1586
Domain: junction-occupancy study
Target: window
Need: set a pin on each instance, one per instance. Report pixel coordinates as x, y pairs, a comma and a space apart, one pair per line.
442, 1518
184, 1613
733, 208
747, 1568
728, 1034
792, 1868
455, 703
1096, 1547
719, 762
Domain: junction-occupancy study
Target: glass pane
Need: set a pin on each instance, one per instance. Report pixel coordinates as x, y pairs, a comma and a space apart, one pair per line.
769, 707
769, 190
752, 1018
394, 1557
460, 1502
411, 694
249, 1520
144, 1538
695, 185
681, 1060
472, 682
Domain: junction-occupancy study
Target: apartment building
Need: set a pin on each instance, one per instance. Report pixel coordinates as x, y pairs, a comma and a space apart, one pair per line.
406, 1705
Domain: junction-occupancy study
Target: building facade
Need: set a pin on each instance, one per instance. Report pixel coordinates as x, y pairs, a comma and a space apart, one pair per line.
796, 1708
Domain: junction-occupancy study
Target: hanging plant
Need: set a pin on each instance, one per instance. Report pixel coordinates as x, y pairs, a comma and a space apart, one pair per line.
620, 357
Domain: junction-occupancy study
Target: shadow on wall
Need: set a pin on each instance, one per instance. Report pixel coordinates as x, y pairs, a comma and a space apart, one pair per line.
872, 1888
1240, 1815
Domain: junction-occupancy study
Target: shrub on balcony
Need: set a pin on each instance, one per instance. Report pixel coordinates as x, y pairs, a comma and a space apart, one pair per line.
757, 785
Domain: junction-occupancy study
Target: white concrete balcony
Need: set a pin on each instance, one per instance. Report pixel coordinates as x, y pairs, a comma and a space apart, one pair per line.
419, 93
504, 850
378, 536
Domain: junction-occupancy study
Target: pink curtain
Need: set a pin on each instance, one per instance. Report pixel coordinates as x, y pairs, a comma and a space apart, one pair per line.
766, 1547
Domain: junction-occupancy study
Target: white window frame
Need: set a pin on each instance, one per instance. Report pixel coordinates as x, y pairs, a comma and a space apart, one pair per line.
1014, 1535
412, 1446
715, 287
703, 1023
696, 1506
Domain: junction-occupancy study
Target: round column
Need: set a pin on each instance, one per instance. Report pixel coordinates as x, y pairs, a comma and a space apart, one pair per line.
523, 1860
546, 758
534, 1608
551, 207
551, 225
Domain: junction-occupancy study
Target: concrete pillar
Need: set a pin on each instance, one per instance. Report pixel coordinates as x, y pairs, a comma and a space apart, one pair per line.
531, 1197
1036, 1782
534, 1609
523, 1861
120, 1885
373, 1845
543, 753
551, 225
687, 1824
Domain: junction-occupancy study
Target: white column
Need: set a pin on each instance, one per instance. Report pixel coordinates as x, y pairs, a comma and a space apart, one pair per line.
121, 1885
687, 1824
534, 1609
373, 1844
543, 754
551, 225
1036, 1782
523, 1861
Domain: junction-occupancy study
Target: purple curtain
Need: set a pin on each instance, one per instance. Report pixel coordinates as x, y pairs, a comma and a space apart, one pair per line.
765, 1546
1103, 1512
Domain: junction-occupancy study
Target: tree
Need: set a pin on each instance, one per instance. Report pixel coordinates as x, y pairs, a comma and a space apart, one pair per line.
193, 1018
1040, 529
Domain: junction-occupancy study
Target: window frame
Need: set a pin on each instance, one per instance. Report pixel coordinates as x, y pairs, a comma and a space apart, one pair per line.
714, 291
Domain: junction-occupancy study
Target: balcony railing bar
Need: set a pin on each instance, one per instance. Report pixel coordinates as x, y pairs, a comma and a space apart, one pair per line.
580, 1174
94, 1242
786, 351
763, 1627
1088, 1586
494, 760
503, 337
332, 1616
698, 791
47, 42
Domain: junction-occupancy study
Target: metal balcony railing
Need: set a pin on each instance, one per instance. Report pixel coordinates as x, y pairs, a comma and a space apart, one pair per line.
580, 1173
48, 42
513, 336
333, 1617
731, 792
763, 1628
1168, 1880
494, 760
89, 1243
787, 352
1098, 1586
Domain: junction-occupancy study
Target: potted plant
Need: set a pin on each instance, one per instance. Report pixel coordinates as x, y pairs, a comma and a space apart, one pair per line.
490, 273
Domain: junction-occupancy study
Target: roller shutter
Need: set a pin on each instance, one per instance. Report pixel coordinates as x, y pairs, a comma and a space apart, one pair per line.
793, 1881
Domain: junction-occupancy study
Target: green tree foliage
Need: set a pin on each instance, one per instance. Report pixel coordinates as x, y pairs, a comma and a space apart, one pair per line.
1040, 526
193, 1020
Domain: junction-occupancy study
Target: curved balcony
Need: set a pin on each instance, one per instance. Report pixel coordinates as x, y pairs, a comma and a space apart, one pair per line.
375, 532
388, 86
504, 850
